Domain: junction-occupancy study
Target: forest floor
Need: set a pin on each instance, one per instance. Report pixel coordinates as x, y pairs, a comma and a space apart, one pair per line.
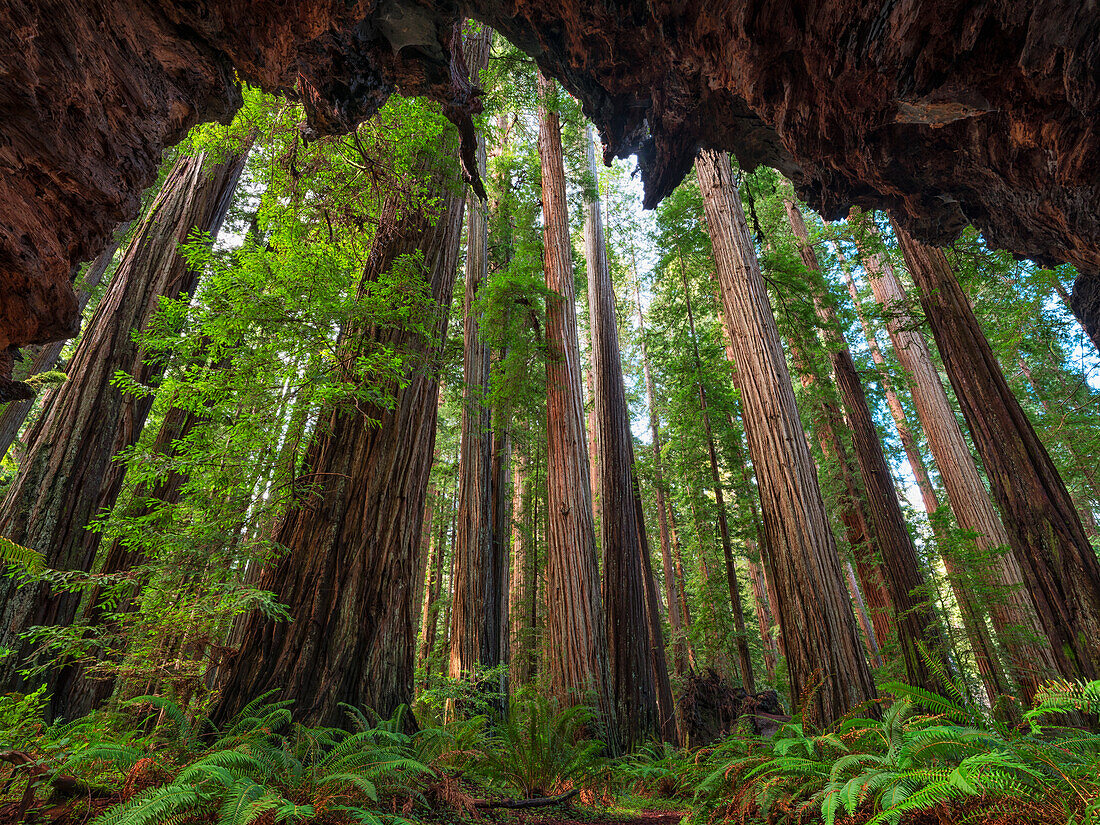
643, 818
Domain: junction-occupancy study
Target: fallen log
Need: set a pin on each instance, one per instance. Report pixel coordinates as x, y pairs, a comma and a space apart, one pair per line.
537, 802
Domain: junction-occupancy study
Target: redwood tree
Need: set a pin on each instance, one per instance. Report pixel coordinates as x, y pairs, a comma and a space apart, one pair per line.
576, 633
1059, 565
475, 628
353, 542
914, 620
622, 531
68, 477
820, 636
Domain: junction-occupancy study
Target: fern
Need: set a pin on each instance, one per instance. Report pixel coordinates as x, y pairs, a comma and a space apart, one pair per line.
12, 553
154, 806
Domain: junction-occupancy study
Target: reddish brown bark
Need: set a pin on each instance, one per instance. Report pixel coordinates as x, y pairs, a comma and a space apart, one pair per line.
1030, 657
45, 356
914, 620
353, 543
68, 477
744, 659
576, 633
475, 628
1059, 565
627, 580
981, 642
824, 653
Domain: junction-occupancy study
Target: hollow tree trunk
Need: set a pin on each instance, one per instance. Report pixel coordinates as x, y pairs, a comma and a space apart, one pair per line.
473, 624
819, 631
1059, 565
350, 568
576, 632
1029, 654
914, 619
68, 477
622, 535
45, 356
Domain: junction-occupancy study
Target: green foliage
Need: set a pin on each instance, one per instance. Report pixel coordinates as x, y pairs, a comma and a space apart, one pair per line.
261, 762
926, 750
17, 554
539, 747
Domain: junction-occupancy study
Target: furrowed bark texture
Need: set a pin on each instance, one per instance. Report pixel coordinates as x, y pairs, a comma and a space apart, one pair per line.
914, 620
820, 637
353, 543
827, 424
672, 588
68, 477
472, 624
1044, 530
744, 660
981, 642
1030, 658
622, 533
576, 634
46, 356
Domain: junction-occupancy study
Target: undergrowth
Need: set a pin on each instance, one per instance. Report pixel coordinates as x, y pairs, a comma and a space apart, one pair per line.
927, 755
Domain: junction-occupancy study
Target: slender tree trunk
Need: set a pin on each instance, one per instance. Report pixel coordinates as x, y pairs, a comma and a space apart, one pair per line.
685, 609
430, 627
519, 622
914, 619
350, 568
472, 623
764, 618
68, 477
862, 616
824, 655
981, 642
744, 659
576, 632
497, 597
1044, 530
827, 423
1031, 659
672, 588
623, 540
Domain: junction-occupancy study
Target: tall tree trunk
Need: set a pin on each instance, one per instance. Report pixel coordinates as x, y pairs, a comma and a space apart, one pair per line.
45, 356
497, 598
827, 424
1044, 530
68, 477
824, 654
1030, 657
914, 619
430, 625
764, 618
520, 628
685, 609
622, 534
981, 642
350, 568
744, 659
576, 632
672, 588
472, 623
